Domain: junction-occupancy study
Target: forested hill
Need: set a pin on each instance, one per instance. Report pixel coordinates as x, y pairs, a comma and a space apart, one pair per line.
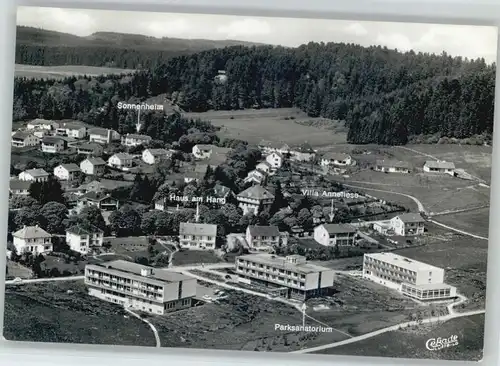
384, 96
41, 47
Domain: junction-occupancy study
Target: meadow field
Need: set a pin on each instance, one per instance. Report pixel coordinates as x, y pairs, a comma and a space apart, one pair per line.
287, 125
63, 71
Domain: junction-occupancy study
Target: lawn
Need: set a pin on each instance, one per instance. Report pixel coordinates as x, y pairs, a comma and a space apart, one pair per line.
476, 221
62, 312
275, 125
17, 270
60, 72
187, 257
410, 343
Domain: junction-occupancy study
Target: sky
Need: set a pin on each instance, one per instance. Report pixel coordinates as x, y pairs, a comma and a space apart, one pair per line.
456, 40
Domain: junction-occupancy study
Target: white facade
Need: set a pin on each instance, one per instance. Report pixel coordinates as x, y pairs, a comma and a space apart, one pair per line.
52, 145
93, 166
255, 176
120, 161
408, 224
412, 278
32, 239
262, 238
82, 239
197, 236
264, 167
152, 156
291, 277
67, 172
34, 175
23, 139
103, 136
202, 151
275, 160
254, 199
147, 289
336, 159
335, 234
42, 124
135, 140
441, 167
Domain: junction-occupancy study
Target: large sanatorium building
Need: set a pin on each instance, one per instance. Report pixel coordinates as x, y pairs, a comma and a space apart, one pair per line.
412, 278
289, 277
139, 287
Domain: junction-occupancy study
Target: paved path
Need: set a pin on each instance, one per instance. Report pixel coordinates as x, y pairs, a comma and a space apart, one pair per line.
459, 231
451, 212
153, 328
50, 279
171, 252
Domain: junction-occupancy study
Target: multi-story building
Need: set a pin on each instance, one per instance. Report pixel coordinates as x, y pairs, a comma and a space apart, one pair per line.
93, 166
90, 149
303, 152
269, 147
264, 166
135, 140
53, 145
32, 239
121, 160
262, 237
202, 151
101, 200
34, 175
42, 124
153, 156
275, 159
72, 129
289, 277
197, 236
138, 287
67, 172
335, 234
408, 224
82, 238
256, 176
24, 139
103, 135
254, 199
412, 278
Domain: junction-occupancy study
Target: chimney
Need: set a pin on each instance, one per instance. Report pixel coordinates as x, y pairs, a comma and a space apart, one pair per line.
109, 136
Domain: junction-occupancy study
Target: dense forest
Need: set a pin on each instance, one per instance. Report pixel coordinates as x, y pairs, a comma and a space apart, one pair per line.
384, 96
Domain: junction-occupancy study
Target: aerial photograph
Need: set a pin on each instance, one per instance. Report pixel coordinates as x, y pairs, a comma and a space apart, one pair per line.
251, 184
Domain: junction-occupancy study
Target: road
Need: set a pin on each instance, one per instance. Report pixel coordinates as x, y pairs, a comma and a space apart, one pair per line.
153, 328
459, 231
51, 279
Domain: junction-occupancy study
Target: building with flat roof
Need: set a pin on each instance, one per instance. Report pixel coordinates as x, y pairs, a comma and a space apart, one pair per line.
289, 277
132, 285
197, 236
410, 277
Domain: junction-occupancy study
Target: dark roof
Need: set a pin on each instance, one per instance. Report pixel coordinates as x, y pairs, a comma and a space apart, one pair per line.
305, 148
71, 167
221, 191
16, 184
162, 275
256, 230
339, 228
138, 137
411, 217
51, 140
37, 172
205, 147
96, 196
187, 228
21, 135
159, 152
256, 192
96, 161
31, 232
99, 131
336, 156
123, 156
90, 146
393, 164
439, 164
82, 229
74, 125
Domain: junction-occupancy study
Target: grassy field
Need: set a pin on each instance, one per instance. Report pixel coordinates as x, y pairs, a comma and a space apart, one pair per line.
410, 343
275, 125
61, 72
62, 312
476, 222
187, 257
17, 270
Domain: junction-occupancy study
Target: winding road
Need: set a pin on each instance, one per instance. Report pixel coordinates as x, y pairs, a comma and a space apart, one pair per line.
153, 328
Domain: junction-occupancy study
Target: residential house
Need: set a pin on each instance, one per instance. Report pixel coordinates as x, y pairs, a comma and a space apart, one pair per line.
264, 166
153, 156
32, 239
304, 152
141, 288
410, 277
193, 177
90, 149
254, 199
135, 140
67, 172
72, 129
291, 277
101, 200
24, 139
220, 191
262, 238
93, 166
120, 160
442, 167
197, 236
269, 147
392, 166
34, 175
408, 224
336, 159
256, 176
42, 124
335, 234
82, 238
40, 134
275, 159
94, 186
53, 145
103, 135
19, 187
202, 151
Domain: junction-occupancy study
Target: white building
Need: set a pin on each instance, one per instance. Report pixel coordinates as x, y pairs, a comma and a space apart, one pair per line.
275, 159
408, 224
262, 238
202, 151
197, 236
90, 149
135, 140
103, 135
269, 147
121, 160
34, 175
256, 176
336, 159
82, 238
442, 167
264, 166
290, 277
19, 187
67, 172
53, 145
24, 139
73, 129
335, 234
412, 278
42, 124
93, 166
32, 239
254, 199
153, 156
138, 287
392, 166
304, 152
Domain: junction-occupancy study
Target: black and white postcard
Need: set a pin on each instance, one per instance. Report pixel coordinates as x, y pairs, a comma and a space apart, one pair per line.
248, 183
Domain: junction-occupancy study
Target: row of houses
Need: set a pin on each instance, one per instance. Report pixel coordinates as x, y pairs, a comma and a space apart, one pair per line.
430, 166
265, 168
